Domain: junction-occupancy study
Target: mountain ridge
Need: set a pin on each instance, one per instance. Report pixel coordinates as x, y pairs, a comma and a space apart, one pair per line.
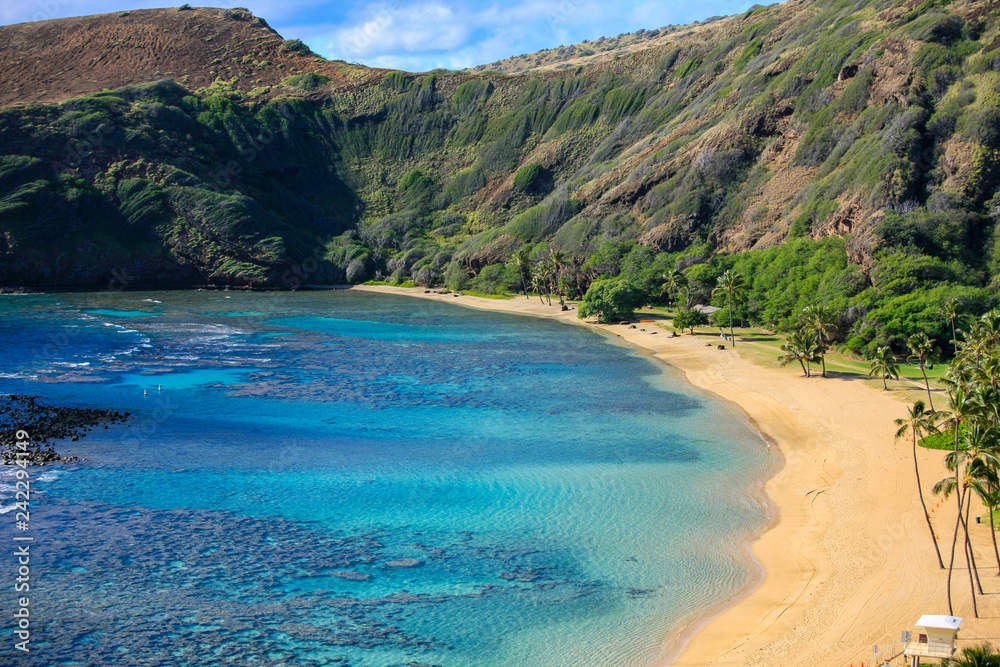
51, 61
859, 136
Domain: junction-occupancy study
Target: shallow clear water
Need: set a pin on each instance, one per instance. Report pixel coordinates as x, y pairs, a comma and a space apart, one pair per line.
566, 500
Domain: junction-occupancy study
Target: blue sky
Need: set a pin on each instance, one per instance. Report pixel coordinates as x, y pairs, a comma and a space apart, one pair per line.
419, 35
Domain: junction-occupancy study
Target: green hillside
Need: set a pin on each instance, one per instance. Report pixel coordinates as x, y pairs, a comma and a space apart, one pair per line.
832, 152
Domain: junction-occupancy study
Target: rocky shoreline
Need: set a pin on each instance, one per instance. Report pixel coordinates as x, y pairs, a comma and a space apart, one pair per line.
45, 423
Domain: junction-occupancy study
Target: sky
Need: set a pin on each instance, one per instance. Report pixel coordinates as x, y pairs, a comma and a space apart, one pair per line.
421, 35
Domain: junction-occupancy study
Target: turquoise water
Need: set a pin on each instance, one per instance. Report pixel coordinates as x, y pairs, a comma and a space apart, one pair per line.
340, 478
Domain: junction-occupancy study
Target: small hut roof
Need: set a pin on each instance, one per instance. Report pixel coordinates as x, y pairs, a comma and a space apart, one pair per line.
708, 310
939, 622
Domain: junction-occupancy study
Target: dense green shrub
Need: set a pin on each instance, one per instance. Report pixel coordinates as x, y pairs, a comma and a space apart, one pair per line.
610, 299
470, 95
396, 81
306, 81
297, 46
529, 177
689, 318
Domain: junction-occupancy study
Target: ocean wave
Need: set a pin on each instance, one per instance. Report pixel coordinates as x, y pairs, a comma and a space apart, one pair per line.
217, 329
7, 508
112, 358
152, 301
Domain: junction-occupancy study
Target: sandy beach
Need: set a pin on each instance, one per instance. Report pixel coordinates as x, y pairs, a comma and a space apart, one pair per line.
847, 560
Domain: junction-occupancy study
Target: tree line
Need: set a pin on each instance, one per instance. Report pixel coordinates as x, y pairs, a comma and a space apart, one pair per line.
971, 420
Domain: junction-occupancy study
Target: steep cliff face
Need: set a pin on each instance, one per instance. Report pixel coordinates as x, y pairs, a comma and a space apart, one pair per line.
250, 161
150, 185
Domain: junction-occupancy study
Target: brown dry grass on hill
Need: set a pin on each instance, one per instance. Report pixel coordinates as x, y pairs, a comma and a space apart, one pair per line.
51, 61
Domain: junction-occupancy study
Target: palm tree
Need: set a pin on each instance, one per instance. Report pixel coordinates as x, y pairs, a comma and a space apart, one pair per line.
945, 487
961, 409
920, 421
521, 260
982, 655
989, 492
821, 320
731, 283
883, 364
538, 285
922, 351
949, 311
982, 476
544, 273
978, 455
558, 260
803, 347
674, 280
989, 327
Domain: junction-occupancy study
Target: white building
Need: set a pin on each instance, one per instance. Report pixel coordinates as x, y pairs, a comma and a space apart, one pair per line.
934, 638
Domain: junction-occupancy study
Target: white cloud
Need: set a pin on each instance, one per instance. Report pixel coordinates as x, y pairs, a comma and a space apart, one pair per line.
658, 14
391, 28
439, 34
419, 35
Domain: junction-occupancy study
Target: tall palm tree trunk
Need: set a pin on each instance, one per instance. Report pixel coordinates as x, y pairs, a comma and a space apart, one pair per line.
972, 583
993, 534
823, 356
916, 469
951, 561
957, 469
927, 384
732, 335
954, 337
885, 387
970, 555
524, 285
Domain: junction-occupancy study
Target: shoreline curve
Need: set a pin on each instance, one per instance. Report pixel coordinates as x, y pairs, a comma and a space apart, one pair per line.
847, 559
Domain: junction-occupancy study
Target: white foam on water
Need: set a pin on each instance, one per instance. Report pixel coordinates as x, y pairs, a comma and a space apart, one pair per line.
7, 508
